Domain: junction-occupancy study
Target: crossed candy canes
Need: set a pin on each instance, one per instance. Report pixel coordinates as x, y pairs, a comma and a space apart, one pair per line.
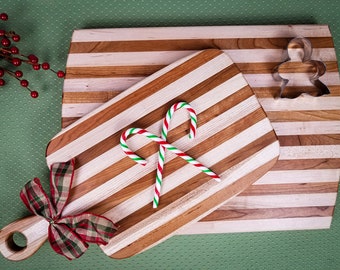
165, 145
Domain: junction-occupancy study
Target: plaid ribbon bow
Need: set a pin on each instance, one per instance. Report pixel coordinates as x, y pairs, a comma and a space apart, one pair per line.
67, 235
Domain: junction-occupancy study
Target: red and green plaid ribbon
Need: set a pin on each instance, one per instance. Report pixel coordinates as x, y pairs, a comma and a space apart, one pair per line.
68, 235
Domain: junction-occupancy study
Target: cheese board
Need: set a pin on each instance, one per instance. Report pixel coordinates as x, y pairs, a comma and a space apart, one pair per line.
234, 139
300, 191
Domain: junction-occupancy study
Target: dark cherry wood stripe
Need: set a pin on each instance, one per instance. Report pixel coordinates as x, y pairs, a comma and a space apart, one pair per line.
159, 113
303, 116
111, 71
144, 71
191, 44
186, 217
269, 213
173, 165
300, 140
270, 92
131, 99
89, 97
307, 164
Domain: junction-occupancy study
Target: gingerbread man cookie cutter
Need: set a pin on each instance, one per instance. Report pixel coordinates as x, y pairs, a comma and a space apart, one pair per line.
318, 67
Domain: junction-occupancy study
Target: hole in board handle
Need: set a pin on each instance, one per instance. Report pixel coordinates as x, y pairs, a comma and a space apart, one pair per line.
16, 241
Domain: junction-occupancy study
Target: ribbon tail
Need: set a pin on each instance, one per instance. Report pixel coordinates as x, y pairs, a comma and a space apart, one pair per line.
91, 228
65, 241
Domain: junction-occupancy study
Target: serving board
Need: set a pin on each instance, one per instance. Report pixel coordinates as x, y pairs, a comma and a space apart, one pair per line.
300, 191
234, 138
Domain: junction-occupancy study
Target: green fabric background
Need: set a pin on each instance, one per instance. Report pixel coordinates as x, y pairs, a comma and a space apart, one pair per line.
27, 125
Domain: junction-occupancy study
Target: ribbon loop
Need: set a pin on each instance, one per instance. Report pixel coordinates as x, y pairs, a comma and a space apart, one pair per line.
69, 235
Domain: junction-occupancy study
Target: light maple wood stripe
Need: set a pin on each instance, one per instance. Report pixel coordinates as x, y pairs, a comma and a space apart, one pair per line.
209, 93
102, 175
143, 71
307, 164
302, 188
260, 225
306, 128
281, 201
295, 140
78, 109
185, 44
147, 58
299, 176
171, 191
100, 84
135, 97
123, 83
302, 103
251, 214
309, 152
162, 228
200, 32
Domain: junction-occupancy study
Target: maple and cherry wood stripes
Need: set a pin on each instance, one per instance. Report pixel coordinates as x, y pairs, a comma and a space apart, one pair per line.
104, 62
234, 139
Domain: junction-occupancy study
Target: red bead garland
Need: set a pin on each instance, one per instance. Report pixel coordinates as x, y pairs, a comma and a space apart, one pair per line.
12, 55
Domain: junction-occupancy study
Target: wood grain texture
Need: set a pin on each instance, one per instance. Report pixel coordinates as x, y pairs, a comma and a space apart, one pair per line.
235, 139
132, 54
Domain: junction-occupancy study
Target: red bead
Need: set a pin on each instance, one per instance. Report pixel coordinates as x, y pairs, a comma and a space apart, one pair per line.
16, 38
61, 74
2, 33
2, 82
18, 73
24, 83
16, 62
2, 72
45, 66
5, 42
4, 16
33, 58
14, 50
34, 94
36, 66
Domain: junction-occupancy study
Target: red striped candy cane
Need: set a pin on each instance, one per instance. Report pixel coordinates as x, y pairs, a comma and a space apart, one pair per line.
166, 145
164, 134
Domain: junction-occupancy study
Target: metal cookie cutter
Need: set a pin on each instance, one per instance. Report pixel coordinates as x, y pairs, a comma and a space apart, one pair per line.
318, 68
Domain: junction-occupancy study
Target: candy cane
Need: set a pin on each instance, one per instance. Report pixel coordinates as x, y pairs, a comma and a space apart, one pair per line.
164, 134
166, 145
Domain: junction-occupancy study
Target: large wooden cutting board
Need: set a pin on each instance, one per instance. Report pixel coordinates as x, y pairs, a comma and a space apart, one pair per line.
234, 138
300, 191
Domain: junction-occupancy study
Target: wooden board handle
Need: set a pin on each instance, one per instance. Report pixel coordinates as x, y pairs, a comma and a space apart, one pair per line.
33, 228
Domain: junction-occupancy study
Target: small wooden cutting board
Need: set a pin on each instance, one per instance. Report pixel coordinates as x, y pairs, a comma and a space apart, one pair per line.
234, 138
